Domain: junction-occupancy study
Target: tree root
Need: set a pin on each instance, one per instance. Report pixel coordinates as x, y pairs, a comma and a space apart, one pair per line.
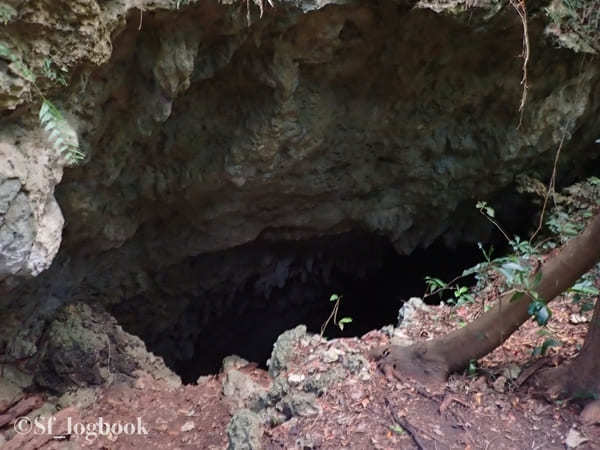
415, 362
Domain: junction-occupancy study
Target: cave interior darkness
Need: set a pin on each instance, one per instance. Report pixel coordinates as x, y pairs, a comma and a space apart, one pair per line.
246, 315
365, 269
239, 300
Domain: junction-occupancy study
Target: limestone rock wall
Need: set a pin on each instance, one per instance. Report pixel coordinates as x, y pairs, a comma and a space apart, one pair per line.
204, 131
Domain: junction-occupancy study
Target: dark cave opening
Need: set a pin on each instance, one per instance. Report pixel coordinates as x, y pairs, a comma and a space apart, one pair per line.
239, 300
289, 283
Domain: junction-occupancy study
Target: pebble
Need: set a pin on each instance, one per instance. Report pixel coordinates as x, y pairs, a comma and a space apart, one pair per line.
295, 378
188, 426
331, 355
499, 384
591, 413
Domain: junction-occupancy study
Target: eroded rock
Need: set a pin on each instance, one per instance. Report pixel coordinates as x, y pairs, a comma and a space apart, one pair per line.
244, 431
240, 389
203, 134
85, 347
31, 221
283, 349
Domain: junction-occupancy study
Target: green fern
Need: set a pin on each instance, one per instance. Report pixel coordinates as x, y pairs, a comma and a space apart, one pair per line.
61, 134
7, 13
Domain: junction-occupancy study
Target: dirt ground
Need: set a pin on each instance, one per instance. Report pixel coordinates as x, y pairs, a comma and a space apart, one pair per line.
496, 407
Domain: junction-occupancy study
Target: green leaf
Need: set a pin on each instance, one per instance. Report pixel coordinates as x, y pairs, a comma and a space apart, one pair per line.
7, 13
587, 306
466, 298
534, 308
397, 429
21, 69
538, 278
549, 343
481, 204
472, 369
585, 288
515, 267
60, 133
516, 296
434, 284
343, 321
55, 135
6, 53
460, 291
540, 312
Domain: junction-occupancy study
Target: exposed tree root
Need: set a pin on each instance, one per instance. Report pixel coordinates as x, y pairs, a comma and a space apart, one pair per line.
432, 361
578, 379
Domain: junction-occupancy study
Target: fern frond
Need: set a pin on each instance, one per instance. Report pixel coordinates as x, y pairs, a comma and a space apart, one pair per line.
23, 70
5, 52
7, 13
16, 63
61, 134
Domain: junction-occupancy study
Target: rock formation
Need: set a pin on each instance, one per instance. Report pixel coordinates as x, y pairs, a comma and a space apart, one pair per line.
207, 128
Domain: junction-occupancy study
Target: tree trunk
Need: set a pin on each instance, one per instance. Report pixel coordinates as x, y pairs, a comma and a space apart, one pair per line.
580, 378
434, 360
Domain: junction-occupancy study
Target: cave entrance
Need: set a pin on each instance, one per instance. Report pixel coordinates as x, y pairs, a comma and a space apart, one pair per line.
239, 300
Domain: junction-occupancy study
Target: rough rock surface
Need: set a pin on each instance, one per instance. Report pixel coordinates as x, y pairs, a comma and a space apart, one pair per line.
283, 349
203, 133
320, 402
290, 391
80, 346
31, 221
245, 431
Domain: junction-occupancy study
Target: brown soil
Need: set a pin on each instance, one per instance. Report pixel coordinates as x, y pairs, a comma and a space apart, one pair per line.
494, 409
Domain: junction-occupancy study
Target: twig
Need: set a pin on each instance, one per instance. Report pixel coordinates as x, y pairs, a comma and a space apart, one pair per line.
519, 6
550, 189
496, 224
410, 430
332, 315
529, 371
448, 401
448, 286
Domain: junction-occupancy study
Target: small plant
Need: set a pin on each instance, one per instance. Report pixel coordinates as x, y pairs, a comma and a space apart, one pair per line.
7, 13
61, 134
561, 225
517, 274
584, 293
548, 343
53, 74
523, 248
397, 429
490, 214
473, 367
540, 312
341, 322
518, 279
434, 286
462, 296
485, 209
520, 276
580, 17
